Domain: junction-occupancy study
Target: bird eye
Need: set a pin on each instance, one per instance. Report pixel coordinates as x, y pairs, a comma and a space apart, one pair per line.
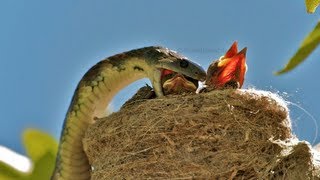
184, 63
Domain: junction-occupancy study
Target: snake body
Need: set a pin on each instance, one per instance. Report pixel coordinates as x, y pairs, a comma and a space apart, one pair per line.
97, 88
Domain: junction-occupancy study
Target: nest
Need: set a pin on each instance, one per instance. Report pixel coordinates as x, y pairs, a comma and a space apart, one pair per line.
230, 134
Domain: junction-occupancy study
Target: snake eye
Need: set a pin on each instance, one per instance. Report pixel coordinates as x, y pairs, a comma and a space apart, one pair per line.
184, 63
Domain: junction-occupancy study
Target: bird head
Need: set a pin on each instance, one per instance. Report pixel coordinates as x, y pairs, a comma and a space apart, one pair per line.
229, 70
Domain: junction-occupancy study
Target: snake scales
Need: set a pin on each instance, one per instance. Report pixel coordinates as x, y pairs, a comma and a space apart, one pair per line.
97, 88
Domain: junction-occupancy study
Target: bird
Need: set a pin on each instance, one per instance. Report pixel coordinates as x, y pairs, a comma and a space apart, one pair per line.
177, 83
228, 71
97, 88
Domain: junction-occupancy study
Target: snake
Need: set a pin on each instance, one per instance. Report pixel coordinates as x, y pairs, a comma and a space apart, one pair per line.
97, 88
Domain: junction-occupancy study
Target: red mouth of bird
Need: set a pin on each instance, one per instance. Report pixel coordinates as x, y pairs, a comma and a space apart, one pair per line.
175, 83
231, 70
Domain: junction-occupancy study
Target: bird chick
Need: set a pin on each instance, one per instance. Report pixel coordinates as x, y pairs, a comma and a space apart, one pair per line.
228, 71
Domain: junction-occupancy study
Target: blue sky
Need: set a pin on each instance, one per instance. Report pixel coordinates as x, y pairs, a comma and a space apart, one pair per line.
46, 47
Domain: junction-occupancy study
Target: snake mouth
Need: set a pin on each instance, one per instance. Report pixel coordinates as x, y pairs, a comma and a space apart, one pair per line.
176, 83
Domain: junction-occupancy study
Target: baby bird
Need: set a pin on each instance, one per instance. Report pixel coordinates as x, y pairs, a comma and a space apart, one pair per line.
228, 71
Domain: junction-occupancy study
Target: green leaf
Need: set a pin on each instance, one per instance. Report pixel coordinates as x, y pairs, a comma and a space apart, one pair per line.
43, 168
9, 173
306, 48
38, 143
42, 149
312, 5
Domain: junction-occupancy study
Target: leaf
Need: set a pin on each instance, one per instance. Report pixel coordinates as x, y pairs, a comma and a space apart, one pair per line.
306, 48
9, 173
312, 5
42, 149
43, 168
38, 143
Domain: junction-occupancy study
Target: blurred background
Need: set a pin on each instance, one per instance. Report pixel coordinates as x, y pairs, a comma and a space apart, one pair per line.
46, 47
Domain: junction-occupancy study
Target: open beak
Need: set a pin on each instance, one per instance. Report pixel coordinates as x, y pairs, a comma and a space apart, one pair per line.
229, 70
178, 84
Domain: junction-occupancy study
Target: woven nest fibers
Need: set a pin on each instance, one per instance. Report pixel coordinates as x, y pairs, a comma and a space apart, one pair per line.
230, 134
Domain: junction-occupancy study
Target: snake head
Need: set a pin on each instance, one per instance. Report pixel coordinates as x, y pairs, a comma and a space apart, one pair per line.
176, 72
229, 70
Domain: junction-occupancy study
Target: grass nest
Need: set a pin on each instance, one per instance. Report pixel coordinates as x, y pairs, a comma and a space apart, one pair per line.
229, 134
